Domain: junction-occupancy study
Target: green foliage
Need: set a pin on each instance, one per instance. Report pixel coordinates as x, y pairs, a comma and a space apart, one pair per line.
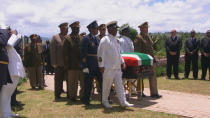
133, 33
21, 81
159, 41
161, 70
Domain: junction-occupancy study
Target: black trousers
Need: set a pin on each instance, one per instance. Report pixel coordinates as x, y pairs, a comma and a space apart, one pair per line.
188, 60
13, 97
205, 63
172, 63
88, 81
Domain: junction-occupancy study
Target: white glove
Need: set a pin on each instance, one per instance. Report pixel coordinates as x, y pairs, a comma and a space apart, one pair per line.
85, 70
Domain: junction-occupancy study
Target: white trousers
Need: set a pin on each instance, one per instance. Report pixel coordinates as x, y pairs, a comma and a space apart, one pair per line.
110, 76
5, 97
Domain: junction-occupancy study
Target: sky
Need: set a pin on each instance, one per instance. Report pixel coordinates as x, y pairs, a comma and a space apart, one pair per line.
44, 16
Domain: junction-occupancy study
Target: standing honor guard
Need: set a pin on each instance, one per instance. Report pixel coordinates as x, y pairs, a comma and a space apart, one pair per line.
16, 71
89, 61
4, 60
102, 30
33, 61
71, 48
57, 59
144, 44
110, 63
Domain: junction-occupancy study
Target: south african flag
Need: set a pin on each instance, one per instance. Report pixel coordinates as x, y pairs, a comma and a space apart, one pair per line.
137, 59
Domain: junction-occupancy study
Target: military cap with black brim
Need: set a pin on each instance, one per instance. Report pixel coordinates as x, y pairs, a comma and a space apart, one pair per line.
93, 24
112, 24
124, 27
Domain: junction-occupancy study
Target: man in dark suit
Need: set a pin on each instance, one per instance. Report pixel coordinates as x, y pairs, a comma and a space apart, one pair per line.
191, 55
89, 61
205, 54
173, 46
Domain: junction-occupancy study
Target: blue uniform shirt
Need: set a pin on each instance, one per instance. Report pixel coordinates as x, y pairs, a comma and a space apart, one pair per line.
89, 49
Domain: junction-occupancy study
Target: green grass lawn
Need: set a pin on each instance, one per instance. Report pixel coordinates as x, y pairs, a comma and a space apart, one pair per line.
41, 104
184, 85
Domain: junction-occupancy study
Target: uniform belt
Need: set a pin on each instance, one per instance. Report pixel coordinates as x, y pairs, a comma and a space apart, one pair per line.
94, 55
3, 62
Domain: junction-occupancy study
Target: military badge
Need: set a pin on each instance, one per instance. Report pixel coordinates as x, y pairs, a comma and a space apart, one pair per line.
84, 60
99, 59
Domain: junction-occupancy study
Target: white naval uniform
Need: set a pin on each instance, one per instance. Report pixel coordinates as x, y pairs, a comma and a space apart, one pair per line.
16, 71
109, 57
126, 44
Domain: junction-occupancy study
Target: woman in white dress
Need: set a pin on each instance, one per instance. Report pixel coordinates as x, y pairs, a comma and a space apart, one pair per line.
16, 71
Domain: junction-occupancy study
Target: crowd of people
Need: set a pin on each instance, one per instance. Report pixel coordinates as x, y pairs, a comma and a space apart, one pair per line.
78, 59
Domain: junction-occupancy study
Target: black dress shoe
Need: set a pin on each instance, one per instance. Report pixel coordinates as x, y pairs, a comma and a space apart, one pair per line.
168, 77
62, 91
85, 102
16, 103
156, 96
203, 79
57, 97
177, 78
143, 95
195, 78
73, 99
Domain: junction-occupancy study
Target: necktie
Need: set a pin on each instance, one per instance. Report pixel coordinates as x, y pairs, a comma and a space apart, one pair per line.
193, 41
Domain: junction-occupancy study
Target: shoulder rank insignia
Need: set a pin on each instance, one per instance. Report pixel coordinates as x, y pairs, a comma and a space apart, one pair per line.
84, 60
99, 59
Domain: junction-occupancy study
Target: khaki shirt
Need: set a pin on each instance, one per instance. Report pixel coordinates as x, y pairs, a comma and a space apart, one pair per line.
71, 50
144, 44
33, 56
56, 50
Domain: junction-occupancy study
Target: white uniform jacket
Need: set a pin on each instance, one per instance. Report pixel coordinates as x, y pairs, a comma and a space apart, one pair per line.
15, 65
126, 44
109, 53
